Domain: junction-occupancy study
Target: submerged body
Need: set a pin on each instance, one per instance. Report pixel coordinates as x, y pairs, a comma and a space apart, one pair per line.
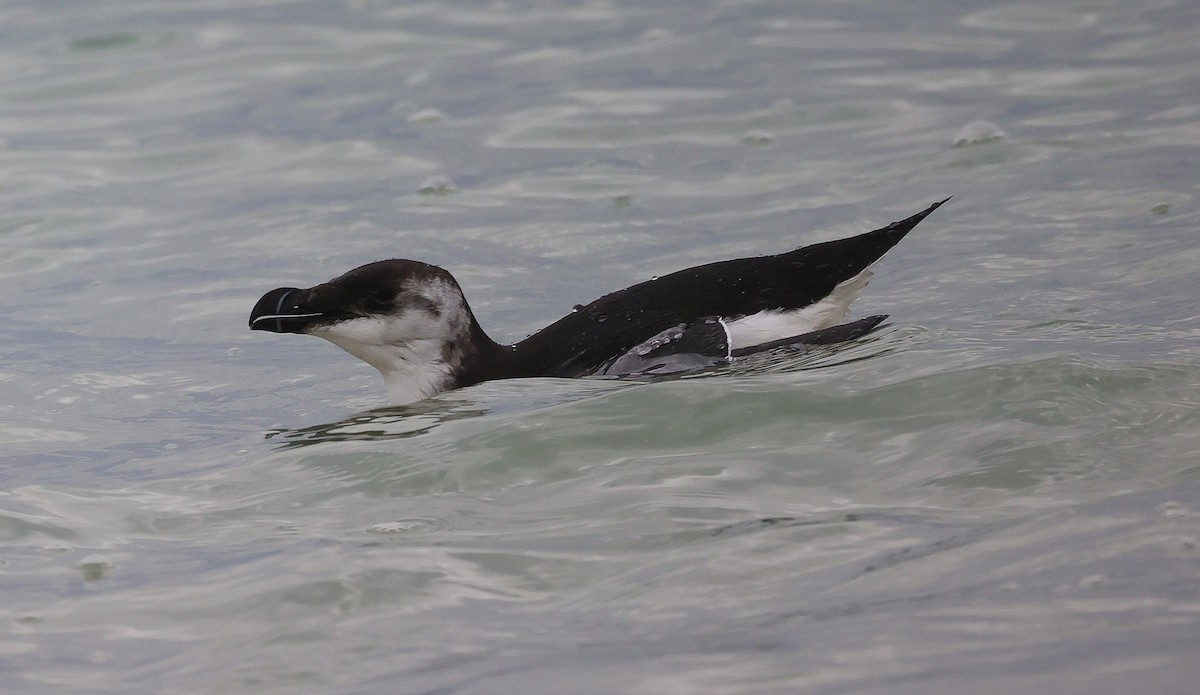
411, 321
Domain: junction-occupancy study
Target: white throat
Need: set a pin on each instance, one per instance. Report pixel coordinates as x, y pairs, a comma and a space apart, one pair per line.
420, 372
413, 369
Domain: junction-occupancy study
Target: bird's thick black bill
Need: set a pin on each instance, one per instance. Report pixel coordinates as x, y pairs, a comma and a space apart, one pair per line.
279, 311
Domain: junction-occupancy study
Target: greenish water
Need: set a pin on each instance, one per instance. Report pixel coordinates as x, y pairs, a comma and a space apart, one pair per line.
998, 492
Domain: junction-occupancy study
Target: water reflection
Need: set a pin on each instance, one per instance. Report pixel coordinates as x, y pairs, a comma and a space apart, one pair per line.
795, 358
403, 422
380, 424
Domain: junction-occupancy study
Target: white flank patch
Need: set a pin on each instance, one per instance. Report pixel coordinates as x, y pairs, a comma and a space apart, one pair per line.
766, 326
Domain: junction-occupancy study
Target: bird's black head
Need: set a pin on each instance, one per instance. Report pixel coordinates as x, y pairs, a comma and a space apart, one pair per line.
376, 290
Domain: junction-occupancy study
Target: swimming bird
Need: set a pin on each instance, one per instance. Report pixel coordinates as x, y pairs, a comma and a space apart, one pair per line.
411, 321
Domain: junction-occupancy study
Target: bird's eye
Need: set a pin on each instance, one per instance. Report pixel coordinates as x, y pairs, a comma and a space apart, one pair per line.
377, 301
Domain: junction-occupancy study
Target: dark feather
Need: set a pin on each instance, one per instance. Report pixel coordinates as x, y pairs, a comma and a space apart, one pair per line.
592, 337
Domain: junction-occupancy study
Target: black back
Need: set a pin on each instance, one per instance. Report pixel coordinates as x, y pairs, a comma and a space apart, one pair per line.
584, 341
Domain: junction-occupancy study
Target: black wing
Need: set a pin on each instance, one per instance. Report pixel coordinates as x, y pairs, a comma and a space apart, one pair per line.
592, 337
681, 348
705, 343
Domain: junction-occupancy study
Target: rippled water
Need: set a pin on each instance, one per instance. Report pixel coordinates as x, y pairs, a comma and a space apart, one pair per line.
998, 492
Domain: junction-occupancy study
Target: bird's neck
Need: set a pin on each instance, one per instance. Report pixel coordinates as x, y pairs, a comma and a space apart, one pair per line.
420, 369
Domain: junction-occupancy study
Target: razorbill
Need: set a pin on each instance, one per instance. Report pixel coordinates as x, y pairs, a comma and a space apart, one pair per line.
411, 321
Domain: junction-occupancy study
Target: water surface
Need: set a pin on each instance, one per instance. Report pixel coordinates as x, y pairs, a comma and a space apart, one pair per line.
997, 492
